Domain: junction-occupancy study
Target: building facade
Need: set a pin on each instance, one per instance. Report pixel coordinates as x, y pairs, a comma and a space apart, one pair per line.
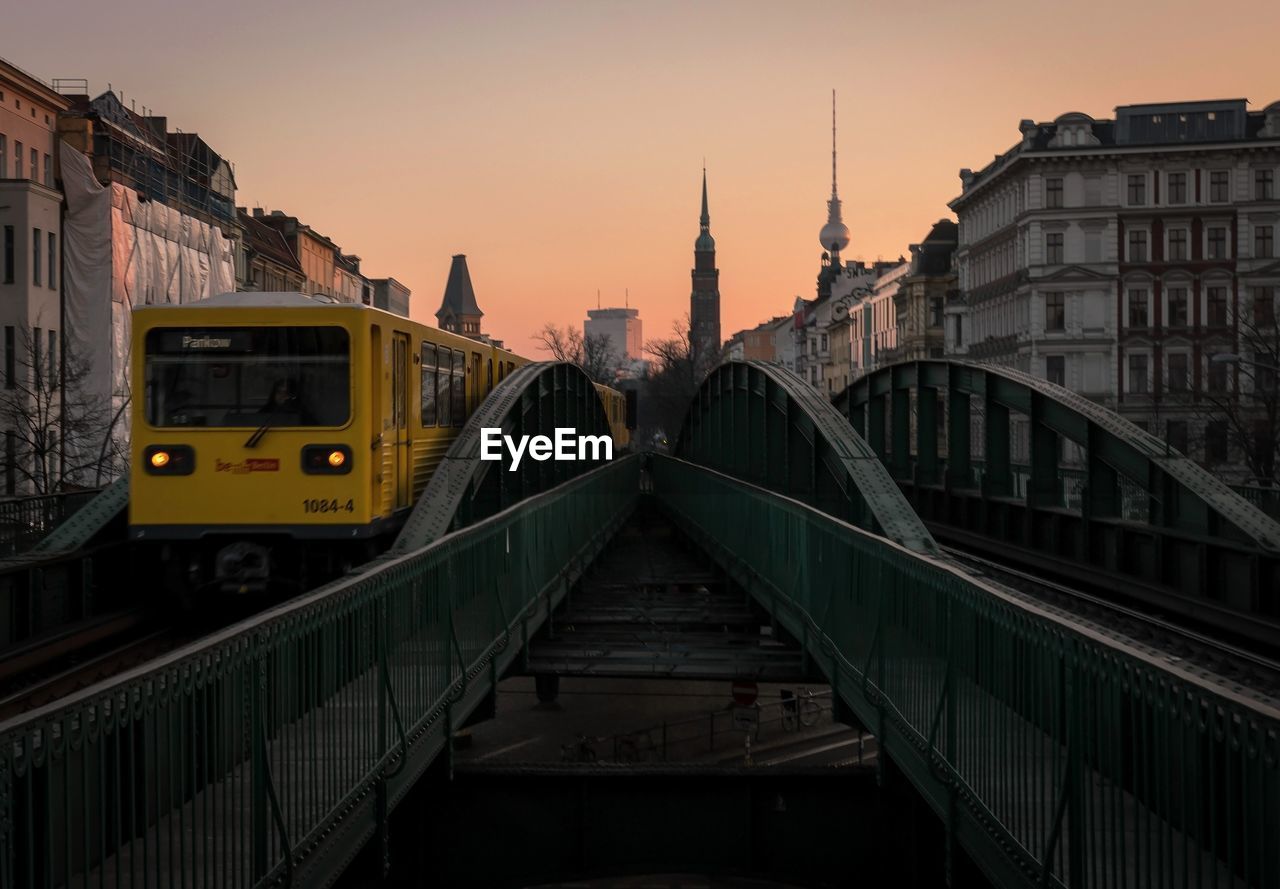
31, 246
622, 328
921, 297
1117, 257
269, 263
391, 295
704, 301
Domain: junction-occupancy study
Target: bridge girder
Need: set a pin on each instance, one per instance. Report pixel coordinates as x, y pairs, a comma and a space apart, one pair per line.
1130, 506
761, 423
534, 400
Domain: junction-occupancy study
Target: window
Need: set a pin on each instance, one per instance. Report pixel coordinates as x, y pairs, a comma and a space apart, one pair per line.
48, 171
35, 257
1217, 375
1264, 183
1177, 315
1264, 306
237, 377
37, 365
1055, 369
8, 254
52, 352
1137, 190
1092, 245
1137, 246
1138, 374
4, 152
35, 165
429, 371
10, 359
1215, 441
824, 342
1177, 243
1217, 243
1139, 315
1177, 188
1175, 435
1053, 248
17, 160
1218, 186
1055, 311
1178, 377
1263, 241
53, 261
935, 312
459, 409
1053, 192
1217, 307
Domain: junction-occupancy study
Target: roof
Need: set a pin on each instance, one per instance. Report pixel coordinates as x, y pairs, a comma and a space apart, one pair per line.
932, 256
274, 299
459, 297
267, 241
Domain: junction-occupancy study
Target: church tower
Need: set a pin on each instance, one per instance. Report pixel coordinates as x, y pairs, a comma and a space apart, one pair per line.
459, 312
834, 236
704, 303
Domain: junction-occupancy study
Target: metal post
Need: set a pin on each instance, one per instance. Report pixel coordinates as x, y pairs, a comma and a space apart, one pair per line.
258, 733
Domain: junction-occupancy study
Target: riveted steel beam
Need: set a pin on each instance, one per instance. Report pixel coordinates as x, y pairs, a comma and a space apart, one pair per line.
534, 400
1130, 507
800, 446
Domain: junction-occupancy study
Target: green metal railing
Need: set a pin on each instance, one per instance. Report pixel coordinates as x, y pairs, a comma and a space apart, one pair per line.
1055, 754
274, 749
24, 521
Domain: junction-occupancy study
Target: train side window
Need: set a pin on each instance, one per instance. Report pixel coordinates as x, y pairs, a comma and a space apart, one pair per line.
459, 415
428, 384
444, 386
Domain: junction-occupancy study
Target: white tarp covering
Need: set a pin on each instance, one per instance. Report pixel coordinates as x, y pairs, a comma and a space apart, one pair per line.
122, 251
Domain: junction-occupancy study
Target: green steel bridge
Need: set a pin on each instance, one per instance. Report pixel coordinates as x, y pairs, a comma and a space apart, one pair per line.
1054, 752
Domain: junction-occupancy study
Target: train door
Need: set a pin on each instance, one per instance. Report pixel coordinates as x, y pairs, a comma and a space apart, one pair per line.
377, 417
403, 456
475, 382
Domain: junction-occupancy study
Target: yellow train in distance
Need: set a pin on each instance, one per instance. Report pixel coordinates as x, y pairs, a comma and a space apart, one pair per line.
279, 439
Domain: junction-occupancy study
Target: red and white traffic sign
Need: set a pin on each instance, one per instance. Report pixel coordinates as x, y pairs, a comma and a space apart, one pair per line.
745, 692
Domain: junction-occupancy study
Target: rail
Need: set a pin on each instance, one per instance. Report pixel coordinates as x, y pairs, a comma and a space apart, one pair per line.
273, 749
1265, 497
1055, 753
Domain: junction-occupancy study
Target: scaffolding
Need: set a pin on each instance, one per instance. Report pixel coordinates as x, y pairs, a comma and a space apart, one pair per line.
136, 150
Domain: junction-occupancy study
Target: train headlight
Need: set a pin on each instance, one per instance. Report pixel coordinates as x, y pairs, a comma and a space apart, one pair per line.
326, 459
169, 459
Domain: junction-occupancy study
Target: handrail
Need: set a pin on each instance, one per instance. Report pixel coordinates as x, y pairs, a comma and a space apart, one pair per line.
1033, 684
303, 675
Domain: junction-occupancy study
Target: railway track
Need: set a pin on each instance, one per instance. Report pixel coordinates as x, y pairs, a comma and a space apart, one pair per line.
1250, 670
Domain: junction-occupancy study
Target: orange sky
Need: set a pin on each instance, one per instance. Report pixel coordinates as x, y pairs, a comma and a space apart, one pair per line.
559, 144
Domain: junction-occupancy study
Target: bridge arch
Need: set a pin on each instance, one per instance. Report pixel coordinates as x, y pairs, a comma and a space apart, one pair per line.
990, 455
761, 423
536, 399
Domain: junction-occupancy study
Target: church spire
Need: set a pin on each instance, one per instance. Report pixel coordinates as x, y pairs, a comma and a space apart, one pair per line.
835, 234
705, 242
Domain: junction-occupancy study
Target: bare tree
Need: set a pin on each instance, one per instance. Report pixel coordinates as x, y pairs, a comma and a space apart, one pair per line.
1248, 406
676, 371
58, 434
592, 352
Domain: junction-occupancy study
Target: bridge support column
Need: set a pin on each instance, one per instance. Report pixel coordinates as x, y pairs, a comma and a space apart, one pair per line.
926, 436
996, 480
547, 686
1043, 488
900, 463
959, 470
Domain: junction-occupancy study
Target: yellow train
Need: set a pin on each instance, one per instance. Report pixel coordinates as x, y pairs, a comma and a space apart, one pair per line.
280, 439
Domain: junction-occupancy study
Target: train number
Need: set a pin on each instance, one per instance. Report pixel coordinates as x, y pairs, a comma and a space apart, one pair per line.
333, 505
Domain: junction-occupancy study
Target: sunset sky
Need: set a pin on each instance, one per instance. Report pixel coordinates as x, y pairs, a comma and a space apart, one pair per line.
560, 144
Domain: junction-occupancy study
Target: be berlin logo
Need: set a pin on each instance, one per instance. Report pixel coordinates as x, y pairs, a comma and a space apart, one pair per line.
566, 446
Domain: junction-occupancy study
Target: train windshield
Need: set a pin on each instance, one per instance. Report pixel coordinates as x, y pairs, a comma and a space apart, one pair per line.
248, 376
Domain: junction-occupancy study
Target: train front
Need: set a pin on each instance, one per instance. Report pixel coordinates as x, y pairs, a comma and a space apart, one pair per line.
245, 472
